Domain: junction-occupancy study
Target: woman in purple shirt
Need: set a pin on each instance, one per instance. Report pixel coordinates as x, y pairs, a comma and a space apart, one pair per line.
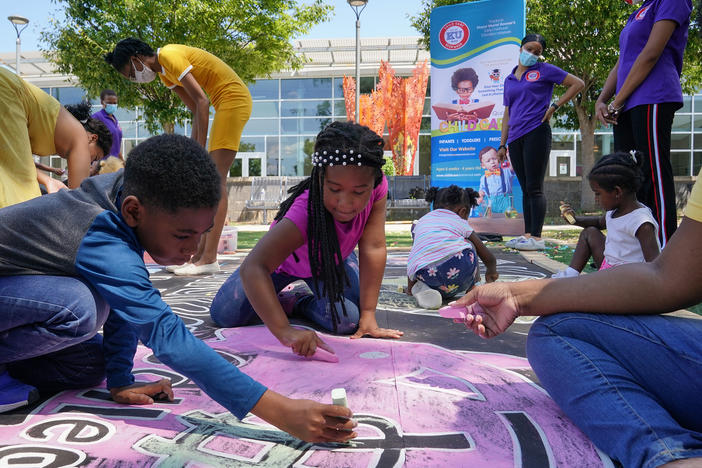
108, 99
525, 128
646, 80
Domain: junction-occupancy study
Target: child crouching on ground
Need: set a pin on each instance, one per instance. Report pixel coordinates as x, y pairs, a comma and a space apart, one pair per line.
442, 261
72, 262
632, 231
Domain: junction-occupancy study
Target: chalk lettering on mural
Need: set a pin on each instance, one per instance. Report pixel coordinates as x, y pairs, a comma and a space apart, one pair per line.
390, 444
531, 445
73, 430
220, 439
426, 378
40, 456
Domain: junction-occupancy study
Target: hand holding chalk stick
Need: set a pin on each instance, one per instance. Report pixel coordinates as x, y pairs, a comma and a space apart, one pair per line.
322, 354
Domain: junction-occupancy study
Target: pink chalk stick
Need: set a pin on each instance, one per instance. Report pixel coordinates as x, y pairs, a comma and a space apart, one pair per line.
453, 312
324, 355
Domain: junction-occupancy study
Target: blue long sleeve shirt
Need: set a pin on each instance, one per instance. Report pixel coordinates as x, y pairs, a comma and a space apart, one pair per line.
82, 233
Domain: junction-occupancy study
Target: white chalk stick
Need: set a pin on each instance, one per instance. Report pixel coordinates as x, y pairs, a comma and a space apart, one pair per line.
339, 397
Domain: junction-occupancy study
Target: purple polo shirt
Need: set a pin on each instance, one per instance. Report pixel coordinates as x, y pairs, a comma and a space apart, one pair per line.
663, 82
114, 129
529, 98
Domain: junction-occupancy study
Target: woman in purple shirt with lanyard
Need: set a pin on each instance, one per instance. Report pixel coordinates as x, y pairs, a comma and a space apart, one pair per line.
646, 80
525, 128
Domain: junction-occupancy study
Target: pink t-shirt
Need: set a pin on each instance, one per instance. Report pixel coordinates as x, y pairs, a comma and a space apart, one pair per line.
348, 233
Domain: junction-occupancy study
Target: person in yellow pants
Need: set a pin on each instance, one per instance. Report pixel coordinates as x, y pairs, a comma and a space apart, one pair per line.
35, 123
194, 74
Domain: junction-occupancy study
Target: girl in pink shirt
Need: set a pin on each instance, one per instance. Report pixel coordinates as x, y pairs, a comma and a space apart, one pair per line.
341, 205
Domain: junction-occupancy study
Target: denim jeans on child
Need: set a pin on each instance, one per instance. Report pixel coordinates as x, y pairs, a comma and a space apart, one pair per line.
49, 326
631, 383
454, 275
231, 308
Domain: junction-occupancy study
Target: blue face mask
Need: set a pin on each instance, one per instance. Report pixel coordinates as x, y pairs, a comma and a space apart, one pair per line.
111, 108
527, 59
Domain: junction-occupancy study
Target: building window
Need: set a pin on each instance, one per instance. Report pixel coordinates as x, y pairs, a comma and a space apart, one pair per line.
306, 88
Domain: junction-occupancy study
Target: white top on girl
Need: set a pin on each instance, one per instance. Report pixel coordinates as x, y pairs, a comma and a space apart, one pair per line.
621, 245
438, 235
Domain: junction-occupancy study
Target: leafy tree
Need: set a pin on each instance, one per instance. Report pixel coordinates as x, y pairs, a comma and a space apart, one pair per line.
252, 36
582, 38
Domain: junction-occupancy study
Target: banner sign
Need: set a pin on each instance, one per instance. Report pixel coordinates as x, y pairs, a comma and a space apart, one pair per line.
474, 47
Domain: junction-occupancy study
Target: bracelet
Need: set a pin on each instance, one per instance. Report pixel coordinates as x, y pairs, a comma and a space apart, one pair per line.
501, 146
613, 110
555, 105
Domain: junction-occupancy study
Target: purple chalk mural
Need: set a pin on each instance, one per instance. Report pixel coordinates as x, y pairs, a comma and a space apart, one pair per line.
417, 405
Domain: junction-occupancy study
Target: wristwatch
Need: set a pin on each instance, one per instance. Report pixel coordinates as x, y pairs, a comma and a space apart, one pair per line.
501, 146
555, 105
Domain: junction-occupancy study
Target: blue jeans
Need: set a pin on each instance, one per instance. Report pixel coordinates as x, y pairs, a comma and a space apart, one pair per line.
231, 308
48, 331
633, 384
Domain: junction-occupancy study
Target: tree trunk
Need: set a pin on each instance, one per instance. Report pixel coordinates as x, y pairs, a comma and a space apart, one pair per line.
587, 133
168, 127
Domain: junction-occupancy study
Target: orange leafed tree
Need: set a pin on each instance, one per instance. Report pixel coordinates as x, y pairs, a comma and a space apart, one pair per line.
397, 101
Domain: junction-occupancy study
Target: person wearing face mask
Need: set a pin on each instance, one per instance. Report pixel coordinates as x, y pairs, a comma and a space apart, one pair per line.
106, 115
526, 130
198, 78
645, 83
34, 123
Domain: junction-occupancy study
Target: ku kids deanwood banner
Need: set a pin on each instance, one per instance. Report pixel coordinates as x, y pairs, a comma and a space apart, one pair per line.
474, 47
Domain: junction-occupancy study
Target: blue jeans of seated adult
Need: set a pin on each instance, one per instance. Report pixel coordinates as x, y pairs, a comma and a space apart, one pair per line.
631, 383
48, 331
231, 308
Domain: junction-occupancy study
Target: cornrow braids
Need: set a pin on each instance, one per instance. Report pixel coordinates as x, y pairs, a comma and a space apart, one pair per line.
621, 169
81, 112
341, 144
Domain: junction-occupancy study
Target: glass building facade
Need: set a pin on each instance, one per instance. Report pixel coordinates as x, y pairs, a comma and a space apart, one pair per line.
292, 107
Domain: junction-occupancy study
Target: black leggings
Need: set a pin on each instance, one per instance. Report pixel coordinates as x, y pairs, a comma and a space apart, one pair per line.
529, 155
647, 128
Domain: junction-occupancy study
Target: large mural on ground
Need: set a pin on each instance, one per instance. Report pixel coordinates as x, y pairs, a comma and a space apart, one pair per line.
417, 405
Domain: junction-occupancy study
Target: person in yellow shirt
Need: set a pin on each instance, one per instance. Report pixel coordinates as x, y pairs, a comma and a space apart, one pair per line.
35, 123
194, 75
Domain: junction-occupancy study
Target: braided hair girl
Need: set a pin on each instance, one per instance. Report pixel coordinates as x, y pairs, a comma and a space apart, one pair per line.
341, 205
632, 231
442, 261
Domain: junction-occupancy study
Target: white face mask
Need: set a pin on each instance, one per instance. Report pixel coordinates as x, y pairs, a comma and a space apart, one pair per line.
146, 75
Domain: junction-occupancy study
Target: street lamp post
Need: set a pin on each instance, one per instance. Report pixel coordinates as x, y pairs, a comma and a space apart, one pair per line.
358, 6
18, 21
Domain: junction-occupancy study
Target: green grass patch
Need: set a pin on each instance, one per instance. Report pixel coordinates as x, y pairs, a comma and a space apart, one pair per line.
248, 239
398, 239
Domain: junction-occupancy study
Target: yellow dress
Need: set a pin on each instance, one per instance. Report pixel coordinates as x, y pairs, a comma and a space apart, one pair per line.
229, 95
27, 127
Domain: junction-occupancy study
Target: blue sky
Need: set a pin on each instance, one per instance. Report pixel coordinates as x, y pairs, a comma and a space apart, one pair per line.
381, 18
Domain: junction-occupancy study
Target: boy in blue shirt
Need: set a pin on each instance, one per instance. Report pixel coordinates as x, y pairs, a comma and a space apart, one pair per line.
72, 262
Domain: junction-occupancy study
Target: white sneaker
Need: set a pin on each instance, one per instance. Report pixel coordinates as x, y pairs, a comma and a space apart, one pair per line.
192, 270
173, 268
512, 242
530, 244
426, 297
566, 273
